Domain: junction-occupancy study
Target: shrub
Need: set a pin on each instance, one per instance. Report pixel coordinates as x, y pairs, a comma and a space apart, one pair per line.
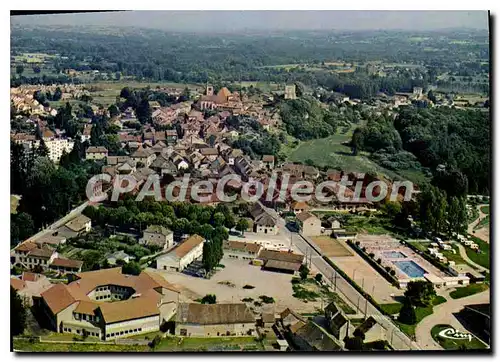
392, 272
266, 299
364, 249
379, 261
248, 286
247, 300
387, 269
209, 299
357, 243
371, 255
318, 277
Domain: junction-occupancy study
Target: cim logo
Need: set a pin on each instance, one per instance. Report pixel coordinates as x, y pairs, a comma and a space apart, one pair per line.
452, 333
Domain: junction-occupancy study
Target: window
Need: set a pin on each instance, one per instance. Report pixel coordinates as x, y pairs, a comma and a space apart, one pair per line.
107, 335
78, 331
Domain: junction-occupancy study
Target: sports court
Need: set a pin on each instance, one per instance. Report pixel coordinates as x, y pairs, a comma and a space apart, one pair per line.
331, 247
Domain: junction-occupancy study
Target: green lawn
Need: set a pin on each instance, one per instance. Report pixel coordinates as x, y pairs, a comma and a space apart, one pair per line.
468, 290
26, 346
448, 254
391, 308
485, 209
482, 259
421, 313
454, 344
209, 343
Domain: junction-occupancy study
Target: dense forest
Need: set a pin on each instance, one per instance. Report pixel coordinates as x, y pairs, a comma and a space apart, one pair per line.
183, 57
455, 144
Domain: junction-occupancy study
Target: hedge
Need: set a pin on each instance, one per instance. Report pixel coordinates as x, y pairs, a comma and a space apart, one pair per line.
385, 273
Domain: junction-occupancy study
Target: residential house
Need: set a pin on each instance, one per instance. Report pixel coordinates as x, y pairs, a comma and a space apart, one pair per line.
164, 166
113, 258
312, 337
182, 255
211, 320
263, 222
96, 153
266, 319
372, 330
158, 235
29, 285
76, 226
309, 224
139, 304
146, 156
241, 250
63, 265
268, 161
299, 206
338, 323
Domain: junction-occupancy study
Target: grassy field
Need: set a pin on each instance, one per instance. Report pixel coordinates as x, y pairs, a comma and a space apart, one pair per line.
454, 344
391, 308
332, 153
106, 91
468, 290
483, 223
26, 346
485, 209
209, 344
482, 259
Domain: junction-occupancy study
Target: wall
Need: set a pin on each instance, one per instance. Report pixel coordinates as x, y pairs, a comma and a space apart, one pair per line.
271, 230
136, 326
311, 227
196, 330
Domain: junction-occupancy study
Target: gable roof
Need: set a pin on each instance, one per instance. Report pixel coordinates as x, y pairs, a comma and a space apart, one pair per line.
266, 254
17, 284
186, 246
207, 314
130, 309
78, 223
303, 216
158, 229
58, 298
243, 246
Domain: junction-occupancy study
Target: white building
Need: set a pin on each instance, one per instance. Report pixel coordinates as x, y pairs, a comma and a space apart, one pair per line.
56, 147
182, 255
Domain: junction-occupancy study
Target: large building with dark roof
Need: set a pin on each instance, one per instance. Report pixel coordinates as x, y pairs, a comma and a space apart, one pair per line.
108, 304
211, 320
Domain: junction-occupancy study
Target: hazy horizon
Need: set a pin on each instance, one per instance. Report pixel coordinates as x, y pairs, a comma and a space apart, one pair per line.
227, 21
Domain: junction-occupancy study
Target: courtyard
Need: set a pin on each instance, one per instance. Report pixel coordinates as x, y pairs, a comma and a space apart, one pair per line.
228, 282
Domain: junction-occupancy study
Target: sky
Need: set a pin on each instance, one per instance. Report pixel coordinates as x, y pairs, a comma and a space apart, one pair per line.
228, 21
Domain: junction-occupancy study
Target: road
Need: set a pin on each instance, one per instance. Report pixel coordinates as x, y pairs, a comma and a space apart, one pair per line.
443, 314
395, 337
58, 223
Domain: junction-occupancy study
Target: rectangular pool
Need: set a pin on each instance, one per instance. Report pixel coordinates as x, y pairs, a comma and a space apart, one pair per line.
393, 255
410, 268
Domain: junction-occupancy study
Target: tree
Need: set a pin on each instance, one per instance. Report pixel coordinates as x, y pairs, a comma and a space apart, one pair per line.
242, 225
19, 69
113, 110
219, 219
125, 93
407, 313
156, 340
355, 343
304, 272
318, 277
209, 299
17, 314
36, 69
420, 293
131, 268
457, 215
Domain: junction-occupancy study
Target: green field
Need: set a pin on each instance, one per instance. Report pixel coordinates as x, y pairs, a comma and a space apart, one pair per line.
453, 344
26, 346
471, 289
485, 209
391, 308
209, 343
482, 259
483, 223
105, 92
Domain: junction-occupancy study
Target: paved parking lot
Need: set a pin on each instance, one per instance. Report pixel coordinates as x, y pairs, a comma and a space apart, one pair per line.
227, 284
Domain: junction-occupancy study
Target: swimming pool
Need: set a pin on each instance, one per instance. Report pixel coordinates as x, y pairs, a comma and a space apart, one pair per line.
393, 255
410, 268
